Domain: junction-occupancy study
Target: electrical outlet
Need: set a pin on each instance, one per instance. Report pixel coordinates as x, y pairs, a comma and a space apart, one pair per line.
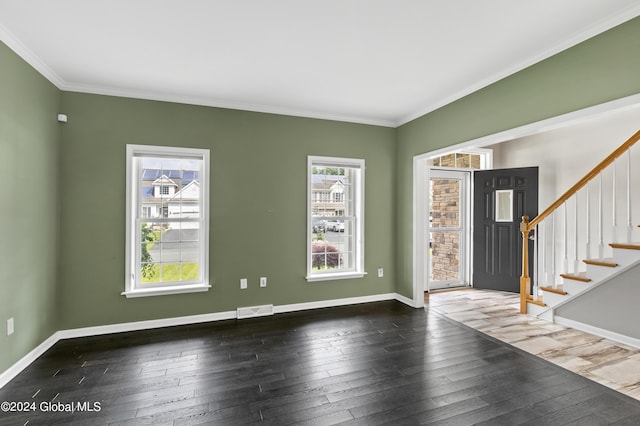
380, 272
263, 281
10, 328
243, 283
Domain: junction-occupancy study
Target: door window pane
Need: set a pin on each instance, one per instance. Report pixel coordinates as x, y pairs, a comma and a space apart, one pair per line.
504, 205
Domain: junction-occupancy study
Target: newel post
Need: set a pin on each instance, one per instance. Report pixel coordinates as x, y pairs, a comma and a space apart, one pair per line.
525, 281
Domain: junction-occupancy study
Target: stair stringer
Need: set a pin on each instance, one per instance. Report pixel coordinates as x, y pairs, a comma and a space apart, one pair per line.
611, 312
623, 257
550, 312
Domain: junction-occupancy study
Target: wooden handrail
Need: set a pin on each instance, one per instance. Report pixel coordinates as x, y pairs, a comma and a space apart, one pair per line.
582, 182
527, 226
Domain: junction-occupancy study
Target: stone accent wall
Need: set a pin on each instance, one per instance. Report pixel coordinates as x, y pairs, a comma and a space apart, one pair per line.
458, 160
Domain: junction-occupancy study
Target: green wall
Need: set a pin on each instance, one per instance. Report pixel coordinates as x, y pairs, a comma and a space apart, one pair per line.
601, 69
258, 205
29, 147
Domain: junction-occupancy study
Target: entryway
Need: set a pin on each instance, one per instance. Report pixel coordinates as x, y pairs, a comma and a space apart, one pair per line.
527, 153
470, 221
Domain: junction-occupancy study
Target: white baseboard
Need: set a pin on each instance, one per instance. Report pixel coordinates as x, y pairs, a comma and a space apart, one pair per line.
333, 303
607, 334
144, 325
11, 372
407, 301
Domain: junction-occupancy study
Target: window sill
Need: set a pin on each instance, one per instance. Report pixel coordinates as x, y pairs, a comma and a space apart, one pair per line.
161, 291
338, 276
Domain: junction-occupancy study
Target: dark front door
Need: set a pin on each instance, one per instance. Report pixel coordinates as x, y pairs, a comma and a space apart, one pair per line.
500, 199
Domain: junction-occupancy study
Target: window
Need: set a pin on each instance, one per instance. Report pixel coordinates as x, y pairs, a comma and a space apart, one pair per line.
167, 229
335, 226
504, 205
471, 158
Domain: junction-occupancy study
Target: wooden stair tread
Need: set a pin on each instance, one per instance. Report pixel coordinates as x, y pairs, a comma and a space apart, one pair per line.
601, 262
628, 246
554, 290
581, 276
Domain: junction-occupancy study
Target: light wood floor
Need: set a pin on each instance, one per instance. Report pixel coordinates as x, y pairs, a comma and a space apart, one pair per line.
496, 314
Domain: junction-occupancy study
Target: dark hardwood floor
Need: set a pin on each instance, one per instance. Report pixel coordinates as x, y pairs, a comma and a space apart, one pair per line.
370, 364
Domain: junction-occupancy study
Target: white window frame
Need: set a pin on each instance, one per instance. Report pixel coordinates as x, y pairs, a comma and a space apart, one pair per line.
132, 215
358, 215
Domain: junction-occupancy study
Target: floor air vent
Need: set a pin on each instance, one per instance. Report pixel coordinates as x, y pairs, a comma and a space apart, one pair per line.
255, 311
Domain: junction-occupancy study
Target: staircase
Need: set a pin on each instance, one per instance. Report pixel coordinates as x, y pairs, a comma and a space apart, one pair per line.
571, 256
598, 273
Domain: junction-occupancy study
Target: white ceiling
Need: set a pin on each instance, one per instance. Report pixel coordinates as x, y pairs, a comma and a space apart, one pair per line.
381, 62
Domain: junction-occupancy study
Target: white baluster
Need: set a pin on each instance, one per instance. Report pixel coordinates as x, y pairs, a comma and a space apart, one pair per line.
565, 263
553, 250
543, 242
614, 204
588, 219
575, 228
629, 227
600, 236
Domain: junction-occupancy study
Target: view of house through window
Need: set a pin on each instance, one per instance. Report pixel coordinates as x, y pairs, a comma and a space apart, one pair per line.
335, 221
167, 218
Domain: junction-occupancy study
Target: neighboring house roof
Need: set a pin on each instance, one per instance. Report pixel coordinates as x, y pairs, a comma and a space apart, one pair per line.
188, 192
326, 182
164, 181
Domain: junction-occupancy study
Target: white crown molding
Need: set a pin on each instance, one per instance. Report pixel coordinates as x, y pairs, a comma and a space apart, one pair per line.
267, 109
11, 372
600, 27
29, 57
